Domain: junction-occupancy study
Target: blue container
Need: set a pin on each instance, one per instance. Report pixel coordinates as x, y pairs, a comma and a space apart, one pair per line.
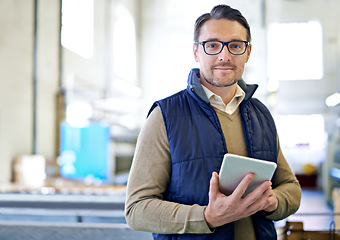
85, 152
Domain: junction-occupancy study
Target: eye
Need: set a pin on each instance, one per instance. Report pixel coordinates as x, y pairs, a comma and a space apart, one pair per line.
235, 45
212, 45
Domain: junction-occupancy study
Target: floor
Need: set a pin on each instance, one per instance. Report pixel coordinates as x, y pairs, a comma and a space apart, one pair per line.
75, 231
314, 212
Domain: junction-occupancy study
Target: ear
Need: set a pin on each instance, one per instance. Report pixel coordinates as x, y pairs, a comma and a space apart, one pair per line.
248, 51
195, 49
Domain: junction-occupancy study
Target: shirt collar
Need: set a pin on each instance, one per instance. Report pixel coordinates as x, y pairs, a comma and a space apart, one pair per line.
216, 101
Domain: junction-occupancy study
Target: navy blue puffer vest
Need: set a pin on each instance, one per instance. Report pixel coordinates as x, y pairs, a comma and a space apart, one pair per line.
197, 146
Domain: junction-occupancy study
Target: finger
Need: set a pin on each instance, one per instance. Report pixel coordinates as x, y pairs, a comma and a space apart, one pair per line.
243, 185
267, 193
262, 188
214, 188
265, 198
261, 202
255, 203
260, 192
272, 202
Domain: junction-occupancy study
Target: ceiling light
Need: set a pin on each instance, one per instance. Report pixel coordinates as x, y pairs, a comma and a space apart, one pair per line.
333, 100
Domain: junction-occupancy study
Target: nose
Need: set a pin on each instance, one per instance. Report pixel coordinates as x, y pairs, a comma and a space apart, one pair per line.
224, 55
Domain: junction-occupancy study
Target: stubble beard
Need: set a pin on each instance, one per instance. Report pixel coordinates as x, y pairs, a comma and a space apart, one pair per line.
213, 81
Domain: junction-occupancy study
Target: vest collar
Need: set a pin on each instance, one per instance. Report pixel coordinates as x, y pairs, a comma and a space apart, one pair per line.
195, 86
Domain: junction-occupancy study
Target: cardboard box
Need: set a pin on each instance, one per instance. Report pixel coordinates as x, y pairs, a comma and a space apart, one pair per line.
29, 171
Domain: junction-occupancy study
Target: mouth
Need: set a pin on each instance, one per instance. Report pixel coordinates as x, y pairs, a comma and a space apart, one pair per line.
223, 67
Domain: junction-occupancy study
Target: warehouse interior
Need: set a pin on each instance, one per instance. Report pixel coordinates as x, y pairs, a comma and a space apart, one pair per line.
78, 79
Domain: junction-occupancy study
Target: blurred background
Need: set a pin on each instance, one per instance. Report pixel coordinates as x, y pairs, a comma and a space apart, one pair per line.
79, 76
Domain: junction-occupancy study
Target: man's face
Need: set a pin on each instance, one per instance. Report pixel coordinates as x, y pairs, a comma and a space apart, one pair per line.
224, 68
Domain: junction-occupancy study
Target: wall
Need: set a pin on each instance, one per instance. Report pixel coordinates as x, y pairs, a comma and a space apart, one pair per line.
16, 91
48, 76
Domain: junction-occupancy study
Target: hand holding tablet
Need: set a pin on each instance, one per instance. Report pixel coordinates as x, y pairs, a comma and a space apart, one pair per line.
234, 168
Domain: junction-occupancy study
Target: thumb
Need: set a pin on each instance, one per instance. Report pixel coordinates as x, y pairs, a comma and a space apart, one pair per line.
214, 189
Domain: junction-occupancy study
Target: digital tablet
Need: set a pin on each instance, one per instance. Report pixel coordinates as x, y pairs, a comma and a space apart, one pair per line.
234, 168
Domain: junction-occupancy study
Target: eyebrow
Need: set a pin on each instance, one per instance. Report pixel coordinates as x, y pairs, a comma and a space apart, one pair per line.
216, 39
213, 39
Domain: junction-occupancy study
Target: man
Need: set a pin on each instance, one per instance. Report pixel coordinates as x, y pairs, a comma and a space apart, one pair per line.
173, 185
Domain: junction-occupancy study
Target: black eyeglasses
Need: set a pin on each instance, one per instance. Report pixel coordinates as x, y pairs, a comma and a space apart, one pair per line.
214, 47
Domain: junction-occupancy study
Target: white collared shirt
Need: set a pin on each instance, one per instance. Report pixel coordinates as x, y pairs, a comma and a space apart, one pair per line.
217, 102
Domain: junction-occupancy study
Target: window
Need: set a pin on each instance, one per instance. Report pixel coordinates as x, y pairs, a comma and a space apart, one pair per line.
295, 51
124, 45
77, 26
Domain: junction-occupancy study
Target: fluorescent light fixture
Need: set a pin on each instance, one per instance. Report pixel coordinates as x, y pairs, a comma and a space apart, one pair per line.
78, 113
333, 100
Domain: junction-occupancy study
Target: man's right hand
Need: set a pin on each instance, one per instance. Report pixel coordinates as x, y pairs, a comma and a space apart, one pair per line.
224, 209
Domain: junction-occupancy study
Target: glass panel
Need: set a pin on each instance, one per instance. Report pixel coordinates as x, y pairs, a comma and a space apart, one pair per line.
77, 26
295, 51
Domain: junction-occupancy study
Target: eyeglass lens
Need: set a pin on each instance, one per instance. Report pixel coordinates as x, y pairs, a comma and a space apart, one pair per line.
234, 47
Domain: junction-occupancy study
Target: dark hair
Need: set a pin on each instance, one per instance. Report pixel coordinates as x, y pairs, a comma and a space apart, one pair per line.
221, 12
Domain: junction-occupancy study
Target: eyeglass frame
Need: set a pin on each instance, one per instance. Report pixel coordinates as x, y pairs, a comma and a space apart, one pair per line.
223, 44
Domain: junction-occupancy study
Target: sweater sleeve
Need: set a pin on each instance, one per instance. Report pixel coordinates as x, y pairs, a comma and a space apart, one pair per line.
286, 188
145, 207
